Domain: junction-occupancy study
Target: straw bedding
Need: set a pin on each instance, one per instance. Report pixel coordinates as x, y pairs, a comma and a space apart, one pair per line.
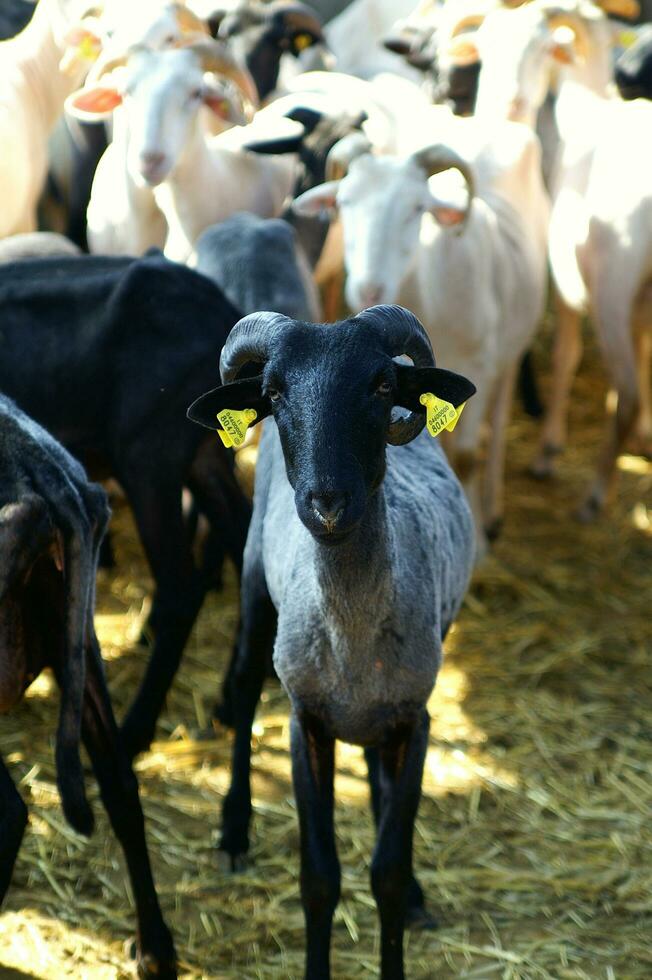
534, 839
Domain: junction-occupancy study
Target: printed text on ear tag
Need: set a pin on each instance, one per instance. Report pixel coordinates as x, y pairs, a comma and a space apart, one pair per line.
440, 415
234, 425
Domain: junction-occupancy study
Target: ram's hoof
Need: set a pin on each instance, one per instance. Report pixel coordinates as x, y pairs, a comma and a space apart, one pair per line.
231, 863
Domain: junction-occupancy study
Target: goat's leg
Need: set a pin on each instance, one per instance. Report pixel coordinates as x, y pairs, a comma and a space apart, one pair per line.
246, 677
13, 820
417, 914
400, 770
119, 791
494, 474
178, 596
642, 440
313, 771
613, 326
565, 360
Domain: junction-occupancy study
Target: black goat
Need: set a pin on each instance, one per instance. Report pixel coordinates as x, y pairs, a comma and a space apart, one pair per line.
51, 523
106, 353
261, 33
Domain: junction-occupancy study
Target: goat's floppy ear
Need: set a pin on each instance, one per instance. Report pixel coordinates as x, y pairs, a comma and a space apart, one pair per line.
94, 103
412, 382
318, 200
237, 396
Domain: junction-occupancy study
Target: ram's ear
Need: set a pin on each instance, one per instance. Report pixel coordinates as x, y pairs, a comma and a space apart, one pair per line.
414, 382
239, 395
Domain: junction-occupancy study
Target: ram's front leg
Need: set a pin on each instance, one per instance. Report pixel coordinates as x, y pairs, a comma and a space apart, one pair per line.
313, 771
401, 770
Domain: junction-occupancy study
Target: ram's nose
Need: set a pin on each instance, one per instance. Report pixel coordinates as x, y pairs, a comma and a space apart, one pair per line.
329, 508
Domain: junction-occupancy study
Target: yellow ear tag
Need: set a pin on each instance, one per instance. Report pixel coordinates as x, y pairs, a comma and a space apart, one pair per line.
440, 415
89, 47
627, 38
302, 41
234, 425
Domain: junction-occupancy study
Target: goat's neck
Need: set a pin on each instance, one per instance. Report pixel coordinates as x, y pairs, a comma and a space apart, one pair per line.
187, 195
37, 55
584, 85
355, 578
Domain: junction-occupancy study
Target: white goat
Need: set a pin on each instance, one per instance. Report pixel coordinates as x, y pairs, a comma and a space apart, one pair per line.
478, 287
355, 37
32, 92
600, 247
198, 179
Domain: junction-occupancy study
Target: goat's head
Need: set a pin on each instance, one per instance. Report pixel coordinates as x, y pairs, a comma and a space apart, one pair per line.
162, 93
261, 32
332, 389
381, 202
521, 48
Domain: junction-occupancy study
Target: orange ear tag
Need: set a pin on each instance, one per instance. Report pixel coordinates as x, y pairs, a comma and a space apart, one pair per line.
440, 414
234, 425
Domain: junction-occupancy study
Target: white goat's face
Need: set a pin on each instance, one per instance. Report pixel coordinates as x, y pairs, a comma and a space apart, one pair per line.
162, 98
516, 49
381, 203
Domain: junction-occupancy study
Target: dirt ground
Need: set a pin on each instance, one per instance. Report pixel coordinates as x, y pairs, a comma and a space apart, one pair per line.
534, 838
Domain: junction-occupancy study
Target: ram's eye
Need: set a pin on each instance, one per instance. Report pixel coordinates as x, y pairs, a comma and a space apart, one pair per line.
274, 394
196, 93
384, 388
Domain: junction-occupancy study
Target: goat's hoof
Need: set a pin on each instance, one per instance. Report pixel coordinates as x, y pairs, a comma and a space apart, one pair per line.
543, 467
150, 966
223, 714
229, 864
493, 528
640, 445
420, 919
159, 961
589, 511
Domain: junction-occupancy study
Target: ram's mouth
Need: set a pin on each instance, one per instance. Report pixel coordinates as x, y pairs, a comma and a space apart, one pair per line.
333, 538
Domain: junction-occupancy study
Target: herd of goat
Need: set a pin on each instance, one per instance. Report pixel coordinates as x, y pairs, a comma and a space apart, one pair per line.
231, 171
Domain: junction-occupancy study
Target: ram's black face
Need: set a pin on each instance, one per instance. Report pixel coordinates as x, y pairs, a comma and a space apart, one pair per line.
331, 396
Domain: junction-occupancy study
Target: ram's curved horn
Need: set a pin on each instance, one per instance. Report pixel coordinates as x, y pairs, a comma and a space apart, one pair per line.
250, 340
401, 332
341, 154
437, 158
215, 56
